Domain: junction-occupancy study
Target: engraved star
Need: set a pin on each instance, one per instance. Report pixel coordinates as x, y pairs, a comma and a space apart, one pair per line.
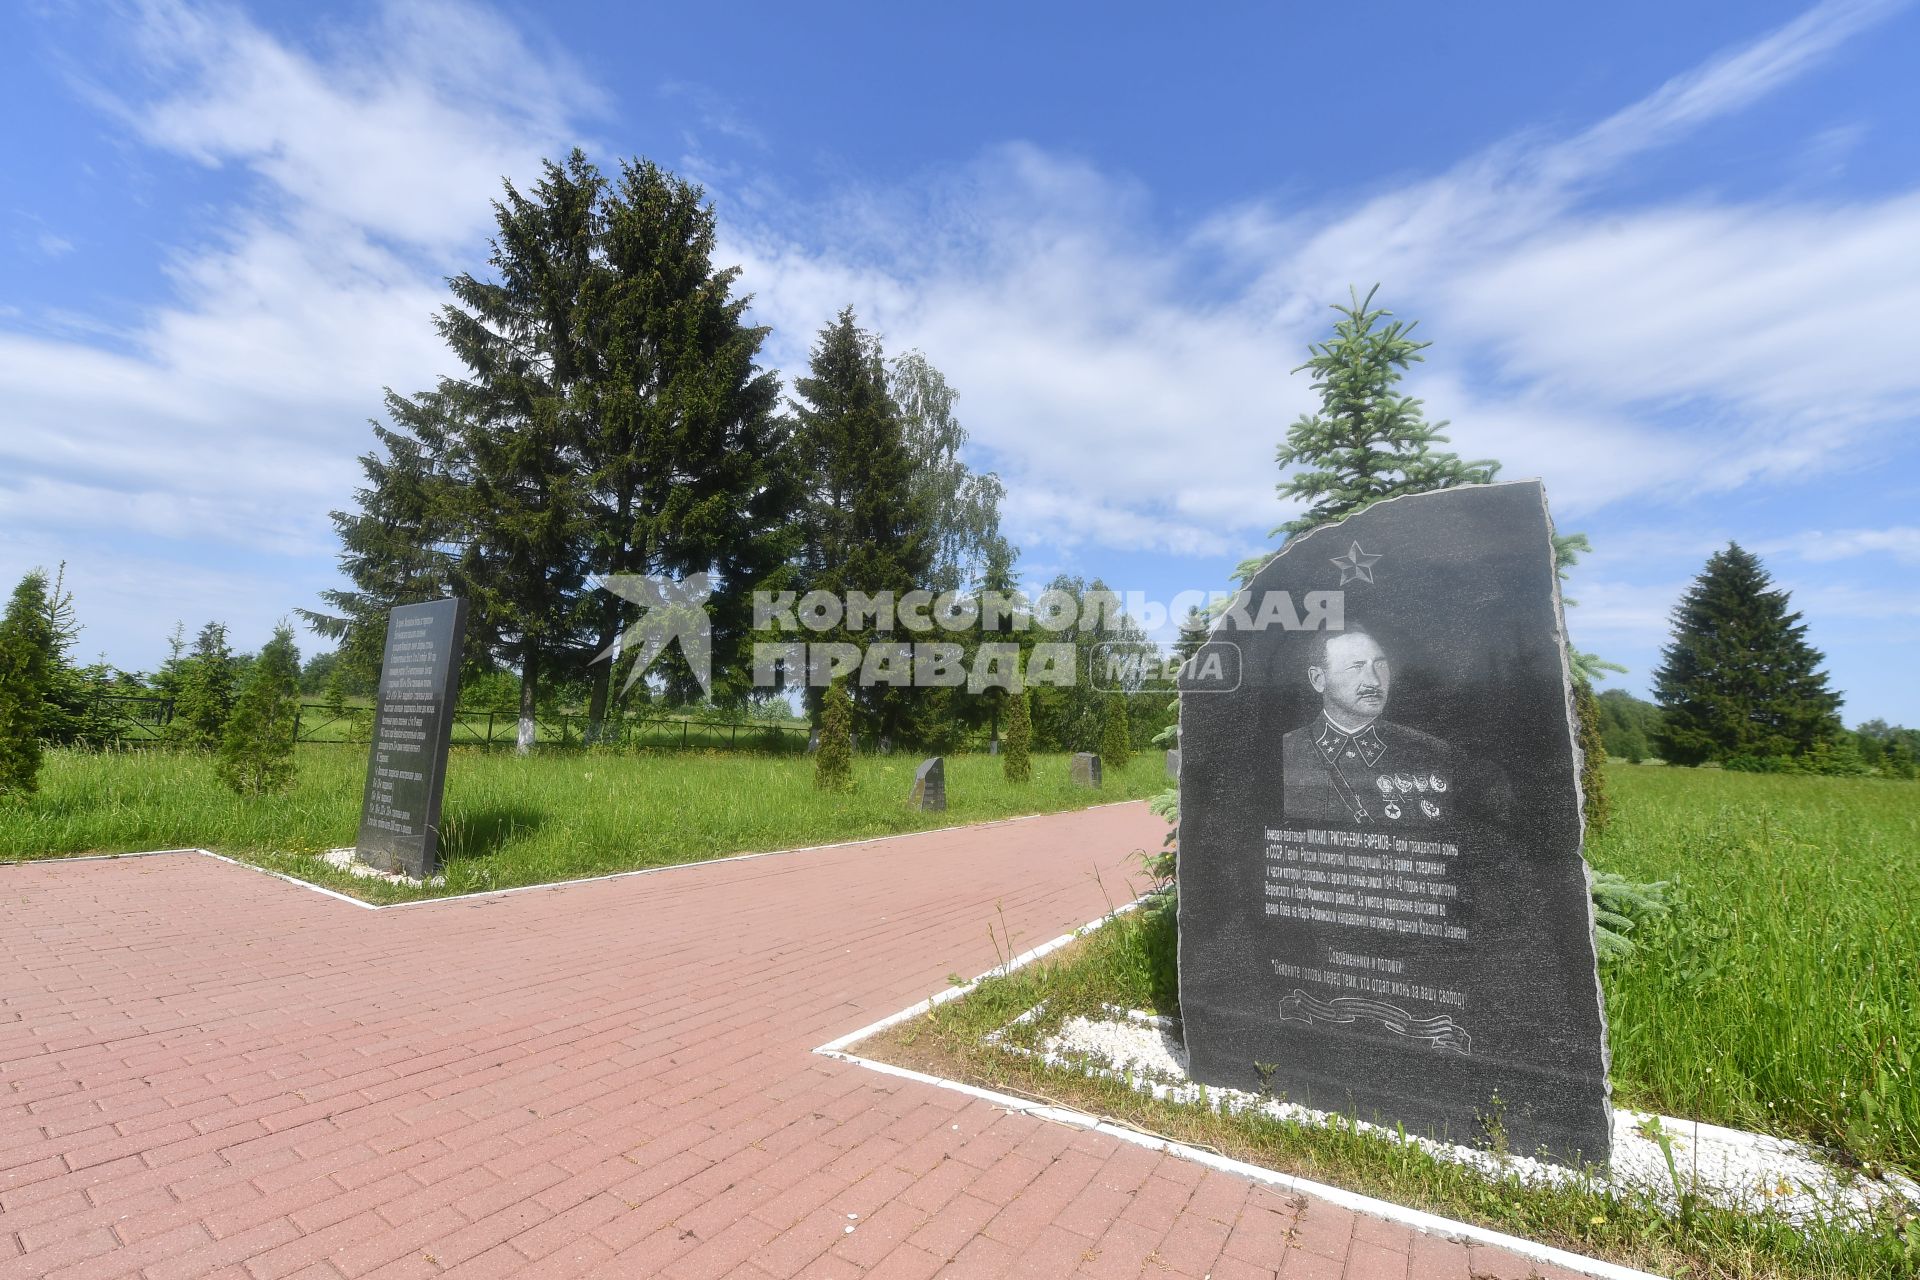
1355, 564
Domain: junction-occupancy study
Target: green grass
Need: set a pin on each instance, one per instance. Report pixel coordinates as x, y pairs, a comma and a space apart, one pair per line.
1782, 994
510, 821
478, 728
1128, 963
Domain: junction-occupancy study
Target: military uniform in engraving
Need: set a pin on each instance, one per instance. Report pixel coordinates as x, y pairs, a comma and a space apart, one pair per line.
1383, 775
1351, 766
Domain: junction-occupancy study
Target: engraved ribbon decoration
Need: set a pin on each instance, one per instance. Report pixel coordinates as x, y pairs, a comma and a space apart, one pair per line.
673, 611
1441, 1032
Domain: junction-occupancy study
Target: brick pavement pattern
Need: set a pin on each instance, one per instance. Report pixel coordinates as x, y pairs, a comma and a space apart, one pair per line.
211, 1072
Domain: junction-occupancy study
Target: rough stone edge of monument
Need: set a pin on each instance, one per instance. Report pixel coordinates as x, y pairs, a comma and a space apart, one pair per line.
1419, 1220
1580, 793
61, 860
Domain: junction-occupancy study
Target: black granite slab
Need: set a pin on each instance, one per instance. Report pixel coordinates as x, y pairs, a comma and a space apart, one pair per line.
930, 786
412, 728
1383, 907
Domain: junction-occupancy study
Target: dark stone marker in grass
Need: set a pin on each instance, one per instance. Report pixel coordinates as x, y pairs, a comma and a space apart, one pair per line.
1383, 907
1084, 770
930, 786
412, 726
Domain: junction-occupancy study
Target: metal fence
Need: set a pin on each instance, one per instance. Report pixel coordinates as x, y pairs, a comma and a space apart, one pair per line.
144, 718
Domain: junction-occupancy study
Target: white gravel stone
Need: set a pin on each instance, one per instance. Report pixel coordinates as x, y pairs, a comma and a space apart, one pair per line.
345, 860
1749, 1172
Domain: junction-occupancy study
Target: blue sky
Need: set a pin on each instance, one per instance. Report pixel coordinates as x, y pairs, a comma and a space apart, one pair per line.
1669, 257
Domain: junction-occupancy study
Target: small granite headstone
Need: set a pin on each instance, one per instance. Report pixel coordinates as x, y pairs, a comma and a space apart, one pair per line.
1382, 897
813, 742
412, 727
1085, 769
930, 786
1173, 763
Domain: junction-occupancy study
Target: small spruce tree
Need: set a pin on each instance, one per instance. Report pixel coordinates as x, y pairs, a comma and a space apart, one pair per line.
256, 753
1019, 740
26, 670
1739, 678
833, 762
1367, 441
205, 700
1116, 744
1593, 759
1898, 761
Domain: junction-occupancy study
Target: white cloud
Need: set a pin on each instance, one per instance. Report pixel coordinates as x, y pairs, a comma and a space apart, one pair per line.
1901, 542
233, 414
403, 127
1791, 312
1614, 613
1119, 410
1660, 352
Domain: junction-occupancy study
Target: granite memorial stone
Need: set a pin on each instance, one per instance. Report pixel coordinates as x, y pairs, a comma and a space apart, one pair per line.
1084, 770
1173, 763
1382, 896
412, 726
930, 786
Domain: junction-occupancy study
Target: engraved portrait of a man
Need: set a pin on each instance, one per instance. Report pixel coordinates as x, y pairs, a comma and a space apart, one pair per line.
1350, 765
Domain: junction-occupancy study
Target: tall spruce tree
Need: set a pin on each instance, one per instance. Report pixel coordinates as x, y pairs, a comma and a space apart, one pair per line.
522, 567
401, 546
689, 468
1739, 678
480, 492
1367, 441
866, 522
612, 421
26, 669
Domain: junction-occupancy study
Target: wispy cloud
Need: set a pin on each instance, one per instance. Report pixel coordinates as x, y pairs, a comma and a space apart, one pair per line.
1901, 542
1661, 350
234, 412
381, 129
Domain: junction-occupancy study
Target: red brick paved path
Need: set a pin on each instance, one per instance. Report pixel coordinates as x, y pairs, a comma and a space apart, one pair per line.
209, 1071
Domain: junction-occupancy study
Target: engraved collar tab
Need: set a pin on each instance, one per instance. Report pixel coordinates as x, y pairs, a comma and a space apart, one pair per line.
1332, 741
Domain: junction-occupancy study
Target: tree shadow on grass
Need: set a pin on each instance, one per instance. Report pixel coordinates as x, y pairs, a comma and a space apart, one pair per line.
481, 833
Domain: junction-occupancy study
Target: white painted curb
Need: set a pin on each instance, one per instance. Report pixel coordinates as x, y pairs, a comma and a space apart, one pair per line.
1425, 1223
